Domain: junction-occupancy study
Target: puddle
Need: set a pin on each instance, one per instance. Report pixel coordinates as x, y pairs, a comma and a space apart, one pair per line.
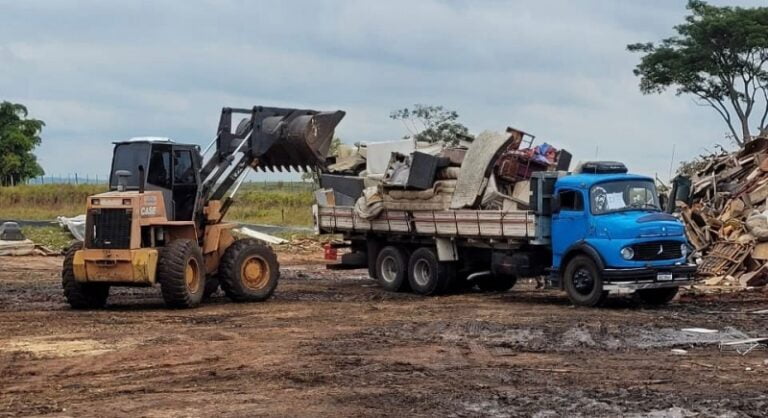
564, 339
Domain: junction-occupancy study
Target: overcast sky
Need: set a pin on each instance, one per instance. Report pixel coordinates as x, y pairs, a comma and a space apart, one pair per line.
99, 71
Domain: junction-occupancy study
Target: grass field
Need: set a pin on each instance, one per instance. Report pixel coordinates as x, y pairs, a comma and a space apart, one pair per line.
278, 203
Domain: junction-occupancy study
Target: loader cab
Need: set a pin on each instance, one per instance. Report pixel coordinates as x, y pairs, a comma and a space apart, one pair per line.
163, 165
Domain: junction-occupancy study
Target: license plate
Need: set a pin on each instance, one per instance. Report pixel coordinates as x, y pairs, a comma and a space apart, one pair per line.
664, 276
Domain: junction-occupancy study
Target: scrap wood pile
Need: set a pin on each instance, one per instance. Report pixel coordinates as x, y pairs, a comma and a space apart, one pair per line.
724, 209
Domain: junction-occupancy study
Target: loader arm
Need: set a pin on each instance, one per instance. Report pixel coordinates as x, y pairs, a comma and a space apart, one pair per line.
269, 138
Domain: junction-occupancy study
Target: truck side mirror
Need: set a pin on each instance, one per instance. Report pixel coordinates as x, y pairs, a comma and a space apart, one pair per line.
555, 204
122, 179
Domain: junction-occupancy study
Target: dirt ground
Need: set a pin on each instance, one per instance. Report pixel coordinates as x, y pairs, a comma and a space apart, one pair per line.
333, 344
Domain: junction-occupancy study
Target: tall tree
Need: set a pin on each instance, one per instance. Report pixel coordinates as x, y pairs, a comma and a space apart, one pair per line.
19, 136
432, 124
718, 56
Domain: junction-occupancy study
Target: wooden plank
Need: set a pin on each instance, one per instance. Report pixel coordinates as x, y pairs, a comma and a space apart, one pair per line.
760, 252
759, 195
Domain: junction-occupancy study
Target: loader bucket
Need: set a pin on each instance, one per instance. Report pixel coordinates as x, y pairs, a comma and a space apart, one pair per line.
292, 139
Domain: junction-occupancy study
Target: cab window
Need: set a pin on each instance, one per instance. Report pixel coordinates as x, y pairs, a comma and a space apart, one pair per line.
159, 173
183, 173
571, 200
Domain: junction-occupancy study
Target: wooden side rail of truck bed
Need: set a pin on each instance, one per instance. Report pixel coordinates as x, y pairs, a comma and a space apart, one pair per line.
465, 223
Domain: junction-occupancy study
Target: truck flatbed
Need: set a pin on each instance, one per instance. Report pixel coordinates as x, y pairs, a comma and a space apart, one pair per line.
463, 223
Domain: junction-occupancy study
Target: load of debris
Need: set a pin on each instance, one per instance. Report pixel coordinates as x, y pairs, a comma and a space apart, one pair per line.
723, 205
492, 172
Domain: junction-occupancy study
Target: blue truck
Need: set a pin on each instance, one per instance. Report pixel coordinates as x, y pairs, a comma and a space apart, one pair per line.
592, 233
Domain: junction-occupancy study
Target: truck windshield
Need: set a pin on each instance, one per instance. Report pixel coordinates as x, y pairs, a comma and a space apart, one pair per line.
623, 195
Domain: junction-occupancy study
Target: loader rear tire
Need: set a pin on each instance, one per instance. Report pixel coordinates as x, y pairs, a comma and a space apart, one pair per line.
81, 295
249, 271
181, 274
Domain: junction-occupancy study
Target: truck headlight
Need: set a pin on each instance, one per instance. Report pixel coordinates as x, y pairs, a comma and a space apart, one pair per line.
684, 250
627, 253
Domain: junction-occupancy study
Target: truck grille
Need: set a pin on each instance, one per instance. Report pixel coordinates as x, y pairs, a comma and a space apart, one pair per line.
110, 229
657, 250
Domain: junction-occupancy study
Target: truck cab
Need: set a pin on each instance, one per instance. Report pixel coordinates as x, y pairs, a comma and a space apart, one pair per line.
609, 235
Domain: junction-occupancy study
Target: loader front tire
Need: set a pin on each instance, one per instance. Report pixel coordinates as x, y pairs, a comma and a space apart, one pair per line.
181, 274
81, 295
249, 271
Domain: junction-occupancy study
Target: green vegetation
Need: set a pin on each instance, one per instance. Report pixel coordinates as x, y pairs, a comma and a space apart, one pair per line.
45, 202
275, 203
718, 57
52, 237
273, 207
432, 124
19, 135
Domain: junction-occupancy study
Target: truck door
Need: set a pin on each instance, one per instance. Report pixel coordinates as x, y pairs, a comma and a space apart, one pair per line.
569, 225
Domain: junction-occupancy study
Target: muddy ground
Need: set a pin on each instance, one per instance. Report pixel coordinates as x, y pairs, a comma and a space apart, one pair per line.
333, 344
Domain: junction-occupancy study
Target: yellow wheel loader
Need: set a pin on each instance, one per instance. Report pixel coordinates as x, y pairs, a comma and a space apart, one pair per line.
162, 220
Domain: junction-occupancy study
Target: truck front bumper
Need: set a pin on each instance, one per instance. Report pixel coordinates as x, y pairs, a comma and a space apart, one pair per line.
632, 279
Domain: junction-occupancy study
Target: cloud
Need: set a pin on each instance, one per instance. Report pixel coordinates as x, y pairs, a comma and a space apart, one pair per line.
99, 71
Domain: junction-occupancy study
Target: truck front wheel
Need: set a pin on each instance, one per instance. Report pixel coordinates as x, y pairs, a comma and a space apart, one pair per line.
657, 296
392, 269
583, 282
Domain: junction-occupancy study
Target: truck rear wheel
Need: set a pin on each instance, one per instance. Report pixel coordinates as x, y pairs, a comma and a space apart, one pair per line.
583, 282
427, 275
181, 274
81, 295
657, 297
392, 269
249, 271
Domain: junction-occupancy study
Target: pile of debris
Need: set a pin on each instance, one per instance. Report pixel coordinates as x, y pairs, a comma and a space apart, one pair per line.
13, 242
723, 205
492, 172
